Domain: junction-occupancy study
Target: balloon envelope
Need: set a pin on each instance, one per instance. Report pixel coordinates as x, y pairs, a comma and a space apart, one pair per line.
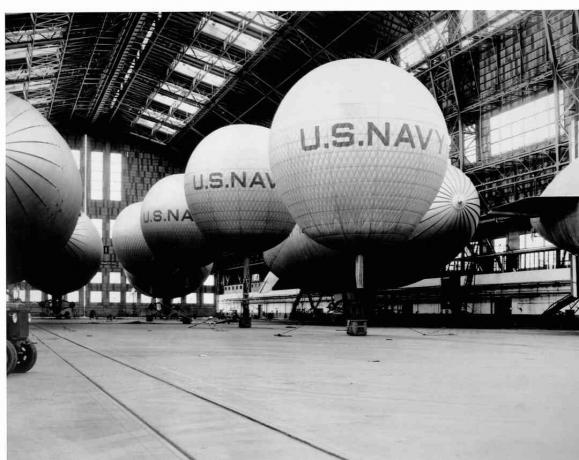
358, 150
231, 193
168, 226
43, 186
69, 268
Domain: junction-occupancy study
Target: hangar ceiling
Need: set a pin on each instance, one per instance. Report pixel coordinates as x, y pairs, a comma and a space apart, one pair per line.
171, 78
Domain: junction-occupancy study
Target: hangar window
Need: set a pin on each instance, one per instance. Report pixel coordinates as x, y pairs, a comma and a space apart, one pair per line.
96, 175
116, 177
470, 144
208, 298
176, 301
423, 45
115, 277
525, 125
76, 156
145, 299
96, 297
500, 244
533, 241
72, 296
98, 223
114, 297
97, 278
35, 295
210, 281
191, 298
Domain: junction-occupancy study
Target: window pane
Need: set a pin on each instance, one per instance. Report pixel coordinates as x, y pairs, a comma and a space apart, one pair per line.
522, 126
191, 298
96, 176
115, 277
97, 278
72, 296
96, 297
114, 296
35, 295
210, 281
145, 299
208, 298
116, 176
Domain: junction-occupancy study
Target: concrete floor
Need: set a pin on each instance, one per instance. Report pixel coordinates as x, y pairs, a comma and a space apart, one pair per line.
447, 394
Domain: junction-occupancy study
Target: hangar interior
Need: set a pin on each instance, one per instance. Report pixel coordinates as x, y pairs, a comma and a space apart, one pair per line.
134, 93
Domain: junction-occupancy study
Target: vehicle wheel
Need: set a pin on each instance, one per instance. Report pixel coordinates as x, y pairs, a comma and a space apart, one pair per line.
11, 357
27, 357
186, 320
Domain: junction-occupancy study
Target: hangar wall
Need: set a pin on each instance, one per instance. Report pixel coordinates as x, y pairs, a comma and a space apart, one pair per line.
110, 292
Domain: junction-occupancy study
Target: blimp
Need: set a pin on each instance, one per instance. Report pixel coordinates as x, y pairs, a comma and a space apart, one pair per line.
443, 231
43, 187
554, 214
58, 271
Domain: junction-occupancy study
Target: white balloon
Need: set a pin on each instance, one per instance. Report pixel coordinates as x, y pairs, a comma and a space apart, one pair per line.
358, 150
231, 192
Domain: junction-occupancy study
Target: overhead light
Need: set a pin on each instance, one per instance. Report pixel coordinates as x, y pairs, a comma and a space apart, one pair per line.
201, 74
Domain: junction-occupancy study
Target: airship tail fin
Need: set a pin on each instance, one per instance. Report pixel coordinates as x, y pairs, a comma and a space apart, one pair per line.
535, 206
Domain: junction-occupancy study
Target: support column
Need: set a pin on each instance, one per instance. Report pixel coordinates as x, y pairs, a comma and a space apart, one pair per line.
354, 303
245, 318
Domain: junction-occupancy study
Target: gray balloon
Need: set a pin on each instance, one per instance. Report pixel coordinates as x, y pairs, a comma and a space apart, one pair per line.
69, 268
43, 187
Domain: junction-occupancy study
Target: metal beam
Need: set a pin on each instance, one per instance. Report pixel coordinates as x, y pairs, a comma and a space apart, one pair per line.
60, 66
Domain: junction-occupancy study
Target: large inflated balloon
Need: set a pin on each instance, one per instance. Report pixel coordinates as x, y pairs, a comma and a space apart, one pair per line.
443, 231
129, 243
231, 192
454, 213
560, 225
164, 284
43, 186
358, 151
168, 226
68, 268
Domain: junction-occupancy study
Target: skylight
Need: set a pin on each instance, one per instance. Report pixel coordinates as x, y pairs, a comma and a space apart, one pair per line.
24, 36
169, 101
230, 35
163, 117
180, 91
201, 74
259, 21
36, 72
212, 59
145, 122
37, 51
